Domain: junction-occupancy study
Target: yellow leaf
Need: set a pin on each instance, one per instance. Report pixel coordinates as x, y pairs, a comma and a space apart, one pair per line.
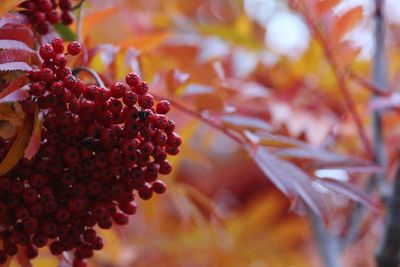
91, 20
346, 22
18, 147
8, 5
7, 113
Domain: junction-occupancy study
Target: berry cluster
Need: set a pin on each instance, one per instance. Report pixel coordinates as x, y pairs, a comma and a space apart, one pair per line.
42, 13
100, 147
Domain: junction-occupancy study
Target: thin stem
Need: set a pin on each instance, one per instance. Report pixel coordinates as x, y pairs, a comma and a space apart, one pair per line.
78, 5
208, 121
91, 72
327, 243
340, 77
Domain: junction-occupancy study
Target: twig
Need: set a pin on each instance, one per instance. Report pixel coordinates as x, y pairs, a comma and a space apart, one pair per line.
389, 248
374, 88
208, 121
78, 5
340, 77
91, 72
327, 243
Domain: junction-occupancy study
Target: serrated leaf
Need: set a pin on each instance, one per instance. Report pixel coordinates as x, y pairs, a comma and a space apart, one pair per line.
346, 22
18, 95
17, 32
291, 180
13, 44
348, 190
18, 147
65, 32
34, 142
14, 66
14, 85
12, 18
13, 55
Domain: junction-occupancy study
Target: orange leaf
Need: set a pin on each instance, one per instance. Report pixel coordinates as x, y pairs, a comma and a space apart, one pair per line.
323, 6
18, 147
14, 86
8, 5
346, 22
34, 142
92, 19
145, 41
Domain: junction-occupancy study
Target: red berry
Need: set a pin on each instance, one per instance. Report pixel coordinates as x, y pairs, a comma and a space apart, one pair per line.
118, 89
74, 48
132, 79
46, 51
159, 187
141, 89
163, 107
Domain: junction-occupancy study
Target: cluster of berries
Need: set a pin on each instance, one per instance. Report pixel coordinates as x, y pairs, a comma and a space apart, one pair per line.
42, 13
100, 147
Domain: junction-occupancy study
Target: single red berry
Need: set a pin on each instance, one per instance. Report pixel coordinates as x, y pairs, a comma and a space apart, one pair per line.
44, 5
130, 98
74, 48
65, 5
39, 240
56, 248
98, 244
38, 88
128, 208
146, 101
141, 89
46, 51
102, 94
67, 19
165, 167
118, 89
43, 28
47, 75
159, 187
146, 192
132, 79
115, 106
30, 195
53, 17
57, 88
163, 107
120, 218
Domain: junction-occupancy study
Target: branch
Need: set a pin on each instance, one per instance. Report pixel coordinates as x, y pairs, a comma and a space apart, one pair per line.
379, 81
389, 248
340, 77
91, 72
78, 5
208, 121
327, 243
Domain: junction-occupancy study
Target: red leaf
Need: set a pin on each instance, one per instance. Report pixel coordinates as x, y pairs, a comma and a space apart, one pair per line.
14, 86
348, 190
34, 141
291, 180
20, 94
13, 66
323, 159
18, 33
12, 44
12, 55
345, 23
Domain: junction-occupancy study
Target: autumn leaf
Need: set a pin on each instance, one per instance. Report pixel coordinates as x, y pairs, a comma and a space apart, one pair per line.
18, 147
324, 6
346, 23
8, 5
34, 141
7, 94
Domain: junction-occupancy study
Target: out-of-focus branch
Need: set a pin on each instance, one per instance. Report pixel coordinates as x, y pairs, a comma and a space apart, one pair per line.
327, 243
78, 5
340, 76
388, 254
376, 89
379, 80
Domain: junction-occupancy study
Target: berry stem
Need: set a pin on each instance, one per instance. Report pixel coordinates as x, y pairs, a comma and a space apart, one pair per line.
91, 72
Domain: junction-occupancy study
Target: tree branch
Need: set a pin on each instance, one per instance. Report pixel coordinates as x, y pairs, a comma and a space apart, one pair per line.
389, 248
327, 243
91, 72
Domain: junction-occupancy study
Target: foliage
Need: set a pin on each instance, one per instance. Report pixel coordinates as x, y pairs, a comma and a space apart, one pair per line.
265, 133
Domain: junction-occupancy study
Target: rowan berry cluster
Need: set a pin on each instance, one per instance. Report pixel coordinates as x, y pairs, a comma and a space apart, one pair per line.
42, 13
100, 147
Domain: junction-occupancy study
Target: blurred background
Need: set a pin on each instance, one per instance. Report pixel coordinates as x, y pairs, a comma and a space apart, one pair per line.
247, 76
